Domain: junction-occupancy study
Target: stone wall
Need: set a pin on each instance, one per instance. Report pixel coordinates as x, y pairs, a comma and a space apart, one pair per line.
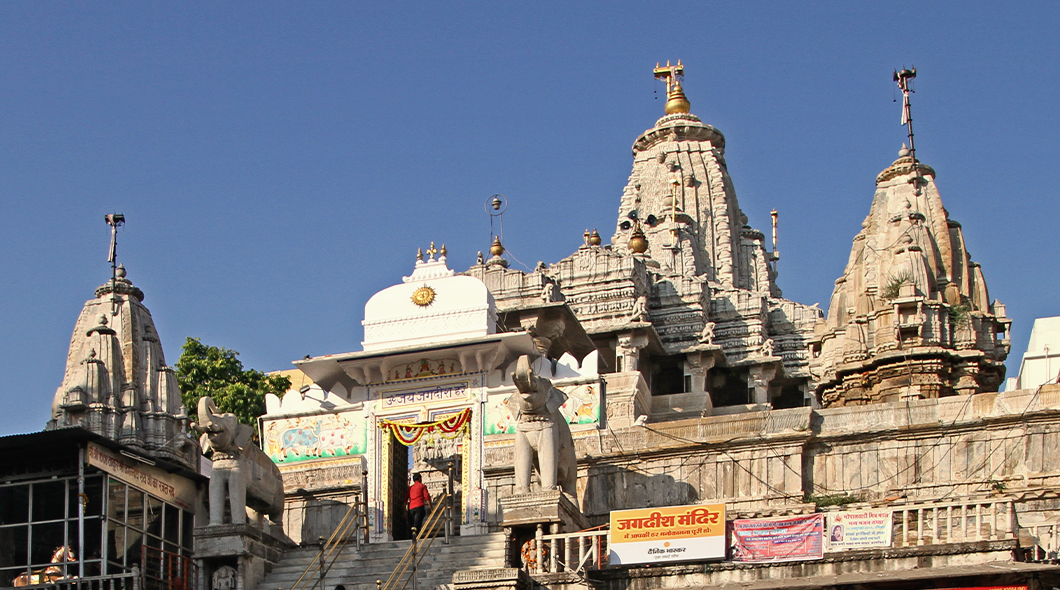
952, 447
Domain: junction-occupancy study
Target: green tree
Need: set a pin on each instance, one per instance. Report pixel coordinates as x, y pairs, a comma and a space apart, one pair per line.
216, 372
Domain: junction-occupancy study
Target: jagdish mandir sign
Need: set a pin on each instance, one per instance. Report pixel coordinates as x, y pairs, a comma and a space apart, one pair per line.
673, 533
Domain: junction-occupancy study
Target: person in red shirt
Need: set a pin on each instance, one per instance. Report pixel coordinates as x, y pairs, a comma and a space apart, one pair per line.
419, 502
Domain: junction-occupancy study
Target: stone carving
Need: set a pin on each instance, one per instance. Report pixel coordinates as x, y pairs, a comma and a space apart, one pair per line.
224, 578
542, 437
241, 471
548, 293
640, 310
767, 347
707, 335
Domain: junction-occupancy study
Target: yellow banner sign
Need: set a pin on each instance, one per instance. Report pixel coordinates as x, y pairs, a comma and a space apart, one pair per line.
672, 533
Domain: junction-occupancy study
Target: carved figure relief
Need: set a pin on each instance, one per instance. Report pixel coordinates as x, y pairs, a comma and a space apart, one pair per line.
707, 335
640, 310
224, 578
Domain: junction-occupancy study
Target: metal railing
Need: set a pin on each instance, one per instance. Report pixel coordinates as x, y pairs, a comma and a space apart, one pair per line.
406, 569
166, 570
953, 522
567, 552
355, 520
126, 581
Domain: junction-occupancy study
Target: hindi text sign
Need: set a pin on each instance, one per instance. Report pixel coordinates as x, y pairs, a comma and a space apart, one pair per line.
672, 533
790, 538
859, 529
171, 488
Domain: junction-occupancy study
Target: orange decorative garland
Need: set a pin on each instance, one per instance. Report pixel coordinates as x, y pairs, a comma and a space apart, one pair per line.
450, 427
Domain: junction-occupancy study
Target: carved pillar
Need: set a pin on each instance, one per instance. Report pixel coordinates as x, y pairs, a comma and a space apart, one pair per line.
699, 366
628, 351
758, 378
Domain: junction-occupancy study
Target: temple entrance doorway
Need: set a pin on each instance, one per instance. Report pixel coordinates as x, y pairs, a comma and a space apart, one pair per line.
397, 520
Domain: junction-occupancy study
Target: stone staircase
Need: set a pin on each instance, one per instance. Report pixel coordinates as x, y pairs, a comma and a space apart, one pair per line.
376, 561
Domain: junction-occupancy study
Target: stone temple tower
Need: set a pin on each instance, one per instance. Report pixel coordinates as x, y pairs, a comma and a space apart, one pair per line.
911, 317
117, 383
686, 292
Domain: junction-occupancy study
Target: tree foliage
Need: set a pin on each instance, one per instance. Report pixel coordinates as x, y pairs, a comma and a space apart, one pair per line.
216, 372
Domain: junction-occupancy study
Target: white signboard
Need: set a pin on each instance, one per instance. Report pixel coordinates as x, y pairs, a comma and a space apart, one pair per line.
859, 529
171, 488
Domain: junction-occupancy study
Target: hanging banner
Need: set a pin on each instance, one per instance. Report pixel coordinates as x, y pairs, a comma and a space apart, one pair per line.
450, 427
791, 538
673, 533
860, 529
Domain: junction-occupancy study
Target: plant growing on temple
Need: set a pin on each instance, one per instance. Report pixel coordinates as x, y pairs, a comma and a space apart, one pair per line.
893, 287
960, 314
822, 500
213, 371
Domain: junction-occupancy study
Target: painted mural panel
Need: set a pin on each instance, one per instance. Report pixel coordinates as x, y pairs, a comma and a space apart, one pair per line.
304, 438
582, 407
424, 368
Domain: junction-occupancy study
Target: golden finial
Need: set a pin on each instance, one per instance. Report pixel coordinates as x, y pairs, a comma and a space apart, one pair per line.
676, 102
419, 254
594, 238
496, 249
586, 235
637, 242
442, 252
432, 250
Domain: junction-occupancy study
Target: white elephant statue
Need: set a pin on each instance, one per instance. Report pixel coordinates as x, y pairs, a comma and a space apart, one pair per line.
542, 436
241, 471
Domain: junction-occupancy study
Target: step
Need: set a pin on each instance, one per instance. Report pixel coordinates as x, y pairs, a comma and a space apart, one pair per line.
359, 570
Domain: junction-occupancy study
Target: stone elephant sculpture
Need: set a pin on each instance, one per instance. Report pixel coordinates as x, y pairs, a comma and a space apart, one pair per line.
241, 471
542, 436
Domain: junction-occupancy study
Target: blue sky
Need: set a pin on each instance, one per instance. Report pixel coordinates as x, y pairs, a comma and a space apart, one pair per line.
280, 162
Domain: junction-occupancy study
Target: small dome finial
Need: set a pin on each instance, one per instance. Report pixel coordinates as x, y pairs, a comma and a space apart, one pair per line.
904, 151
594, 238
638, 243
676, 101
497, 250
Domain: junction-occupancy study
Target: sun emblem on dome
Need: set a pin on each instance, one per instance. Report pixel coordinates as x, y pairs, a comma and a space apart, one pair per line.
423, 296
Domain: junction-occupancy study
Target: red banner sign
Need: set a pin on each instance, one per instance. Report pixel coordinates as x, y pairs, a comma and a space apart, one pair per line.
791, 538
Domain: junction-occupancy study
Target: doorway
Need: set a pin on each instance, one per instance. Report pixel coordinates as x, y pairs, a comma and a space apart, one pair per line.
398, 486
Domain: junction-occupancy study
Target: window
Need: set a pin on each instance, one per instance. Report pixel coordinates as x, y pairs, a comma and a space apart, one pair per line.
40, 518
122, 527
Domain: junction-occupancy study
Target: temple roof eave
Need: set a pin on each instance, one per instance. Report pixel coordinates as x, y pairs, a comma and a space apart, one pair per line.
685, 126
351, 369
